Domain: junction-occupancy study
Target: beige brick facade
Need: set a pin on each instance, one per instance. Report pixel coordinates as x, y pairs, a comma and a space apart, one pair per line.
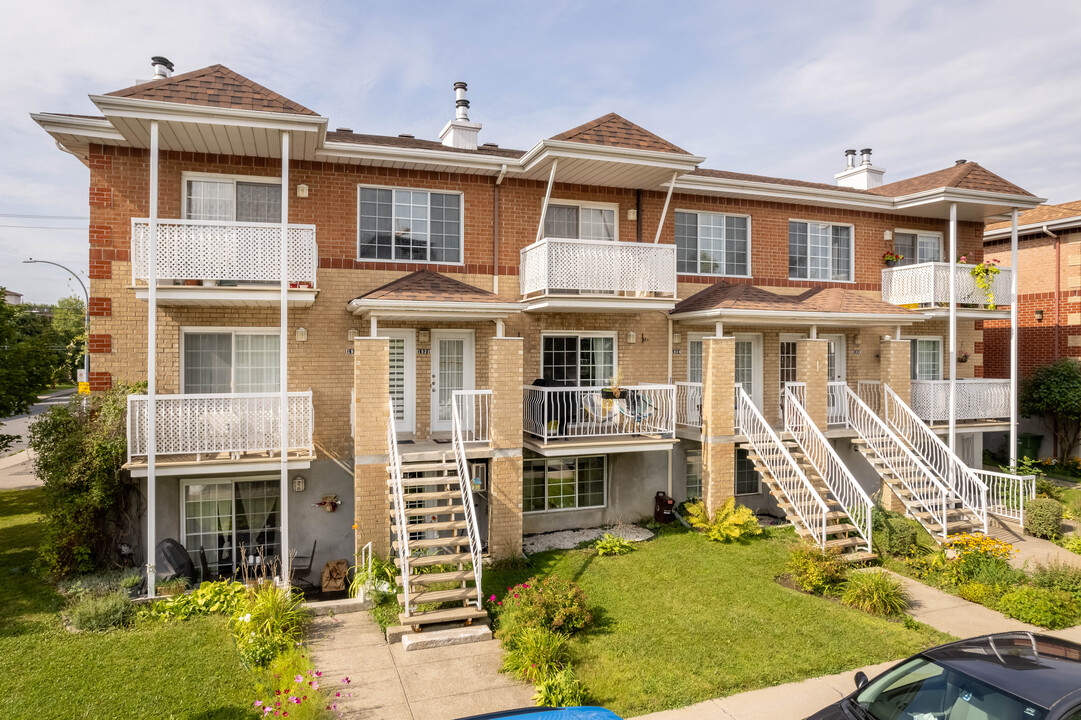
371, 361
812, 368
718, 421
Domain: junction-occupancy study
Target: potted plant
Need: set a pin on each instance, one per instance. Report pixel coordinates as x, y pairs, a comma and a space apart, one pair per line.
176, 586
614, 389
962, 356
890, 258
984, 275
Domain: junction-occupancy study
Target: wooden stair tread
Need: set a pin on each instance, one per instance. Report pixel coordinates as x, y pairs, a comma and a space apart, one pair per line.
438, 577
845, 542
455, 541
436, 596
830, 529
858, 556
424, 496
432, 510
442, 616
437, 526
426, 560
425, 481
427, 466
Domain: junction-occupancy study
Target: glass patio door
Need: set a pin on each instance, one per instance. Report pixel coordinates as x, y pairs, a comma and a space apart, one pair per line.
452, 369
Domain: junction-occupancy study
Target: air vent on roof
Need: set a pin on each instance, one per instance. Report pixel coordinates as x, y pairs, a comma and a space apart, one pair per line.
962, 161
459, 132
348, 130
162, 67
490, 145
861, 177
407, 136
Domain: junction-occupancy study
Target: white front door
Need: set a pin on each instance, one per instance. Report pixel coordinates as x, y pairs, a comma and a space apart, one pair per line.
452, 369
748, 370
403, 378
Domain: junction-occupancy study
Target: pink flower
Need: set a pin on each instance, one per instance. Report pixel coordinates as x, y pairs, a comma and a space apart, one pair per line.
258, 703
298, 678
337, 694
318, 674
491, 599
516, 595
314, 684
345, 680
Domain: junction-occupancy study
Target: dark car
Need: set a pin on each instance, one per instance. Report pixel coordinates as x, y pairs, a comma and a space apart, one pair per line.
1008, 676
541, 713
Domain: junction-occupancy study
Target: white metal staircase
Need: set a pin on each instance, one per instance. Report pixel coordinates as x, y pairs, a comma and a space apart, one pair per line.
434, 524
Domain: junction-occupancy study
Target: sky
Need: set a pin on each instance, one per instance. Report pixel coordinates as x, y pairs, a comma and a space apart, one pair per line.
776, 88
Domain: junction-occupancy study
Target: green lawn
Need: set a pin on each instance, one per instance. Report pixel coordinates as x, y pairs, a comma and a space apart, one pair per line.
682, 620
185, 671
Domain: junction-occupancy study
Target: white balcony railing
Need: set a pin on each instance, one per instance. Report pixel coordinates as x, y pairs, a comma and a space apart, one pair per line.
556, 266
219, 424
928, 285
689, 404
836, 402
977, 399
474, 414
223, 251
559, 413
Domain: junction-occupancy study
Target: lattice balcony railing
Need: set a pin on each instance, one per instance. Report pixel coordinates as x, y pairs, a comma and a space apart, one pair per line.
928, 285
216, 424
977, 399
556, 266
223, 251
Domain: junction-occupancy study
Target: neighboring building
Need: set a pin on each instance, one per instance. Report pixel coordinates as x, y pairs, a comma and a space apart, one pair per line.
12, 298
1049, 289
433, 279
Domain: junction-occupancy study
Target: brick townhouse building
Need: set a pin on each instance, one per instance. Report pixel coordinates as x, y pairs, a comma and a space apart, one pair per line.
478, 343
1049, 296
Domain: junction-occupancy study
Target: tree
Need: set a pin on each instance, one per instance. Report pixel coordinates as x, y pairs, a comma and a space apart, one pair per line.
26, 362
69, 329
1053, 392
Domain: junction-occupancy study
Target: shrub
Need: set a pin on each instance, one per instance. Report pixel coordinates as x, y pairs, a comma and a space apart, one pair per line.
730, 522
268, 621
101, 612
221, 597
898, 536
1058, 575
979, 592
98, 584
560, 689
1043, 518
875, 592
1072, 543
928, 566
818, 572
1051, 609
979, 556
535, 653
614, 545
552, 603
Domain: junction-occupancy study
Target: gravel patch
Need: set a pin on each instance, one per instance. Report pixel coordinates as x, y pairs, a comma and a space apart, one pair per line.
567, 539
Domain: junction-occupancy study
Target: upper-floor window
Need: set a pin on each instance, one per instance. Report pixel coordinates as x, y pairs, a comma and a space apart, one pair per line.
232, 199
819, 251
580, 221
410, 225
229, 361
712, 244
917, 247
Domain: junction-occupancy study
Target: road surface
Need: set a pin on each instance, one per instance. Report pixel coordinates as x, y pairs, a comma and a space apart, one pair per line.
16, 463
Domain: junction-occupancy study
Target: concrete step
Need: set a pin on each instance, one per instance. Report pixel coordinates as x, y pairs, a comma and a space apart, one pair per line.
429, 560
445, 638
438, 596
447, 542
468, 615
432, 578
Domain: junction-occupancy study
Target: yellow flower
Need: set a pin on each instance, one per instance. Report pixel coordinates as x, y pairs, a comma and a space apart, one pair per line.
354, 526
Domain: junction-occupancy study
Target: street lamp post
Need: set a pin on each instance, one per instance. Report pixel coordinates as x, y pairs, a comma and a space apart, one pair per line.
86, 314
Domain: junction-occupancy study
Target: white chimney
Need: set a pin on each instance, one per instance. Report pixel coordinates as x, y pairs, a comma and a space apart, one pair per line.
864, 176
459, 132
162, 67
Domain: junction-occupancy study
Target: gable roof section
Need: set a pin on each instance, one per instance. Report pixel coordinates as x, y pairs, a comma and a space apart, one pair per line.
843, 300
214, 86
616, 131
968, 176
726, 296
1042, 214
427, 286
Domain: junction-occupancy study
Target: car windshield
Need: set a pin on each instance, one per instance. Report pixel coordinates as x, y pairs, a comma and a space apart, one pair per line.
924, 690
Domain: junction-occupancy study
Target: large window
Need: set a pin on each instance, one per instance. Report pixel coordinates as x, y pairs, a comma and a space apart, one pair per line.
231, 199
926, 359
230, 362
563, 483
580, 222
410, 225
918, 247
578, 360
230, 521
712, 244
819, 251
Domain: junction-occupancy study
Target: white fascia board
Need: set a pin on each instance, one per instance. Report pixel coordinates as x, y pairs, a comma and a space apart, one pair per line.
766, 317
90, 128
964, 195
584, 303
203, 114
1060, 224
612, 445
217, 467
377, 307
583, 151
385, 153
775, 191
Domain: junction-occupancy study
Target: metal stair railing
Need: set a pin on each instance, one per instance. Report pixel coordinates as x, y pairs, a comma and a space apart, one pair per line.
927, 490
469, 510
797, 488
838, 478
936, 454
1007, 494
402, 527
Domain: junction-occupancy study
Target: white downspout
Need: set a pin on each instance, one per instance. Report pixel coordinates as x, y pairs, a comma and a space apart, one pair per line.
283, 363
152, 370
1013, 337
547, 196
953, 328
671, 323
664, 210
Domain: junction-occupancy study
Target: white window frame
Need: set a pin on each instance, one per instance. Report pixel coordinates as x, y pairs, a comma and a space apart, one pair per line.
851, 249
571, 509
757, 369
232, 481
941, 351
408, 423
580, 334
234, 331
917, 233
614, 207
185, 176
429, 191
697, 263
697, 337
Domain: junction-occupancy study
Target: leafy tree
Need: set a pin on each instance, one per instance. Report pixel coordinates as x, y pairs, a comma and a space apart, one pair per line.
1053, 392
69, 330
26, 362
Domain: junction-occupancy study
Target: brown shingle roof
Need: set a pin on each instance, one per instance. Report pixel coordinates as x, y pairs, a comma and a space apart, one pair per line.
968, 175
428, 286
408, 142
1043, 214
615, 131
723, 295
214, 86
725, 174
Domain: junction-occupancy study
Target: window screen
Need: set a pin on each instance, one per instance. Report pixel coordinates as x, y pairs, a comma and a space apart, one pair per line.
561, 221
210, 200
208, 363
258, 202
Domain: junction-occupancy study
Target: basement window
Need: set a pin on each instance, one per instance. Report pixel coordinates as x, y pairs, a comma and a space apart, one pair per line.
398, 224
564, 483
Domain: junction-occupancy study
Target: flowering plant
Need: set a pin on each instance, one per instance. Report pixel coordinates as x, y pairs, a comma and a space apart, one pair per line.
984, 274
891, 256
962, 356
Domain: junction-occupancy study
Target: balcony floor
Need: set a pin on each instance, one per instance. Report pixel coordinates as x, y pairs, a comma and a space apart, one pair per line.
218, 463
598, 444
249, 296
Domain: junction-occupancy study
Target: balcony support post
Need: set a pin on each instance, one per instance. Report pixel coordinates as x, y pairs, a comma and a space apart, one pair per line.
664, 210
953, 328
1013, 337
283, 365
547, 196
152, 369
